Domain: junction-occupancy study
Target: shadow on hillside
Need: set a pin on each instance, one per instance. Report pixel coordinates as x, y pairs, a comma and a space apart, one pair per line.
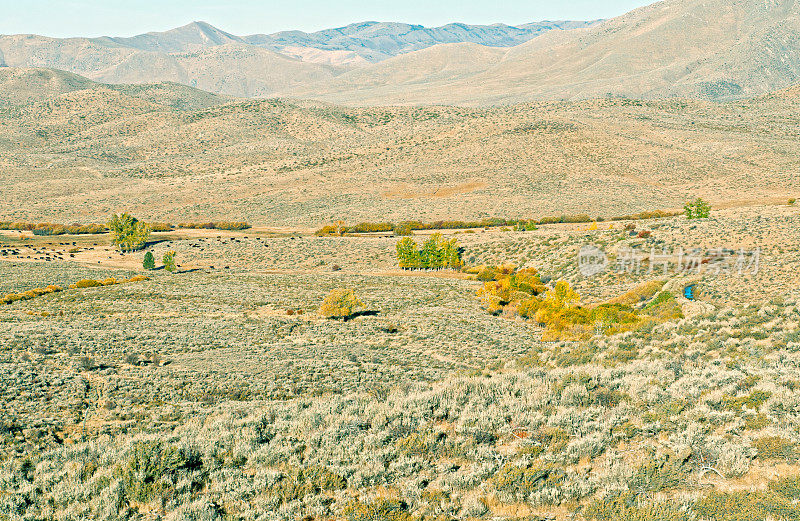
368, 313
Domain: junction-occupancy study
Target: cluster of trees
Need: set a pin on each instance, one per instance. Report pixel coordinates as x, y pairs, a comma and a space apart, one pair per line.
459, 225
436, 253
371, 228
30, 294
53, 228
504, 285
641, 216
85, 229
407, 228
111, 281
81, 284
507, 290
128, 233
697, 209
160, 227
575, 218
71, 229
149, 261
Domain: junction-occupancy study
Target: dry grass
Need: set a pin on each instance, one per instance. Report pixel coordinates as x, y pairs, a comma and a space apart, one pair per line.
228, 379
301, 164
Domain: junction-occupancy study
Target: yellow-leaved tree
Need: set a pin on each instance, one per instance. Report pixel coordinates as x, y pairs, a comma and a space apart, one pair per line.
562, 294
340, 303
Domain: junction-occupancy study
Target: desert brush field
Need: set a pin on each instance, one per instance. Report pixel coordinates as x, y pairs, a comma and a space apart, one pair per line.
218, 392
547, 271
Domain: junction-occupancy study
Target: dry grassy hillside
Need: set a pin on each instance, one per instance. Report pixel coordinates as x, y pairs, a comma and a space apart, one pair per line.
416, 70
79, 154
231, 69
19, 86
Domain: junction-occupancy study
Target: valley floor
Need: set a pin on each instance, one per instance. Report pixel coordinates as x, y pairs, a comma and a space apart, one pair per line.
218, 392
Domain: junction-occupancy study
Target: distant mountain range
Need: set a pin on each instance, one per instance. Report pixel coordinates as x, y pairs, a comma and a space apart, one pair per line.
363, 42
376, 41
200, 55
712, 49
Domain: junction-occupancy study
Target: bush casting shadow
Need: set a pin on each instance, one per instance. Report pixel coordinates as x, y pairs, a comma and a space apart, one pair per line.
367, 313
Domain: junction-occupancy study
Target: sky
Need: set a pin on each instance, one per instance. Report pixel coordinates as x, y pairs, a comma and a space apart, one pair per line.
63, 18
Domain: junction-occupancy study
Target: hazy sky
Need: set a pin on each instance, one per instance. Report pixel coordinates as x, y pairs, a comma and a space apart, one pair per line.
125, 18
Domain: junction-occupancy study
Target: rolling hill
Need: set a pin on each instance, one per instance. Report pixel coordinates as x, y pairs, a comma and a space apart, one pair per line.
203, 56
709, 49
403, 77
21, 86
231, 69
73, 150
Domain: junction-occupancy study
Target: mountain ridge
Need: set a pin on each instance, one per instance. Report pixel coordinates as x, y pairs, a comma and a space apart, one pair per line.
709, 49
203, 56
377, 41
180, 39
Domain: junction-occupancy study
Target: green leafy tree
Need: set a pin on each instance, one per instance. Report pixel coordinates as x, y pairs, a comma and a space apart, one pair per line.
525, 226
432, 253
436, 253
697, 209
169, 262
127, 232
408, 255
149, 261
452, 254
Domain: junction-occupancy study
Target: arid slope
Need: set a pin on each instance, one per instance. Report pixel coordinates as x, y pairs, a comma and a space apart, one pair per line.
168, 152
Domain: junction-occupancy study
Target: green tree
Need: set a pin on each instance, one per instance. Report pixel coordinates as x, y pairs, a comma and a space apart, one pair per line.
432, 254
169, 262
452, 254
408, 256
525, 226
127, 232
149, 262
697, 209
436, 253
